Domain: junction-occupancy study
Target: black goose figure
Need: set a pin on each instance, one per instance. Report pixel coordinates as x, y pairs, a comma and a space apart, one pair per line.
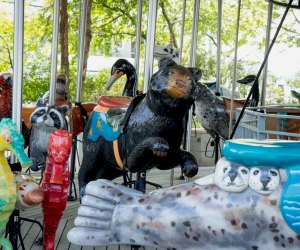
123, 67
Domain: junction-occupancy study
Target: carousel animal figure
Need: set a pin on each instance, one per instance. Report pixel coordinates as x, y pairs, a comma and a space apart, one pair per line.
55, 184
152, 133
192, 216
5, 95
296, 95
228, 176
61, 95
44, 119
10, 140
123, 67
29, 192
212, 110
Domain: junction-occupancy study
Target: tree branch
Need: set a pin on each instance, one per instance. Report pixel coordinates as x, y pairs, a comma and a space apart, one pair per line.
173, 41
112, 20
210, 37
8, 51
116, 9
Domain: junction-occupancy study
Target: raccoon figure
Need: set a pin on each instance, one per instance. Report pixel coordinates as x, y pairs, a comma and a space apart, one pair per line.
45, 119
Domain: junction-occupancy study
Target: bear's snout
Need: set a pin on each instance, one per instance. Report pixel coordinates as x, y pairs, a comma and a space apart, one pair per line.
180, 84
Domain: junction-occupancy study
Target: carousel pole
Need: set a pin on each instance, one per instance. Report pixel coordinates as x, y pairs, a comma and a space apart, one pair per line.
140, 183
192, 63
234, 65
180, 59
219, 76
150, 40
81, 48
13, 226
268, 38
18, 63
54, 51
219, 42
138, 41
182, 30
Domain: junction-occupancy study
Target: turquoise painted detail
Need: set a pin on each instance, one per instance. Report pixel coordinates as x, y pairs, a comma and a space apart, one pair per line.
106, 125
278, 154
251, 152
290, 198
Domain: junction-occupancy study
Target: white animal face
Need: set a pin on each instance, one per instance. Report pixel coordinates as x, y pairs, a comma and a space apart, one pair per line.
230, 176
264, 180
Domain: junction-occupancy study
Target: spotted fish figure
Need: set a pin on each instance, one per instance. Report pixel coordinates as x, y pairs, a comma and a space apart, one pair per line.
191, 216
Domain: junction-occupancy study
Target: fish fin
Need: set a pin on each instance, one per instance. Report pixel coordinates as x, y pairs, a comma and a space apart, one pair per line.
206, 180
94, 220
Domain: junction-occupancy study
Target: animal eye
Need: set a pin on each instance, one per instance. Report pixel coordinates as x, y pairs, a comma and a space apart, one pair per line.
171, 73
256, 172
244, 171
53, 115
224, 170
8, 139
41, 112
273, 173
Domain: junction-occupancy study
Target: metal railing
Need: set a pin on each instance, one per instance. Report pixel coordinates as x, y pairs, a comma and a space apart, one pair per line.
270, 122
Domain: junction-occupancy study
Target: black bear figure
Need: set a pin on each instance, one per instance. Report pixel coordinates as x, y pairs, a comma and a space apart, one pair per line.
153, 134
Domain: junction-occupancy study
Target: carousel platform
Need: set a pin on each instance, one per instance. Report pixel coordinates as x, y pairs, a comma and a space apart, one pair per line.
31, 232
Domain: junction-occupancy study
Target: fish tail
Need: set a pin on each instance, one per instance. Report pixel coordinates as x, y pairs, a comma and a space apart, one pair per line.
93, 224
5, 244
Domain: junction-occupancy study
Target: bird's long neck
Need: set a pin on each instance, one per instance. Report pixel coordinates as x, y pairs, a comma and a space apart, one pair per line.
131, 83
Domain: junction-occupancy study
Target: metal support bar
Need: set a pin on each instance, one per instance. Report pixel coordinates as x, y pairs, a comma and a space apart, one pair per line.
268, 38
81, 47
192, 63
219, 42
182, 30
180, 59
54, 51
138, 39
194, 34
234, 65
18, 63
149, 51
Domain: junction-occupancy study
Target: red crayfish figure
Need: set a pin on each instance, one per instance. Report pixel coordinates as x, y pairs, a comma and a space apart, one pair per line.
55, 184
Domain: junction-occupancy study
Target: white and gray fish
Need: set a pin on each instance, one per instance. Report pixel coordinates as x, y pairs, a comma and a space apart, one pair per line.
187, 216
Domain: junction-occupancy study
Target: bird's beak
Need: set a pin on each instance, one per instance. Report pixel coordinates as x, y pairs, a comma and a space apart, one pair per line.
114, 77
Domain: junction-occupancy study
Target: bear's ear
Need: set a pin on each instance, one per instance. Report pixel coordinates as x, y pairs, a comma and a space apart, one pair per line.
196, 73
40, 103
164, 62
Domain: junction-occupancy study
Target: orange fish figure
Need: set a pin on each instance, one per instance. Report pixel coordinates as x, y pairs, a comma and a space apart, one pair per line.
55, 184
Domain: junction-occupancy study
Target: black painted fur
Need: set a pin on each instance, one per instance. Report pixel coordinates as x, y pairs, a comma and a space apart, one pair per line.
155, 128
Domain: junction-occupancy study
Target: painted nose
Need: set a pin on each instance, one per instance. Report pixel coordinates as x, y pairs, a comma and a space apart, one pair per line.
265, 180
232, 175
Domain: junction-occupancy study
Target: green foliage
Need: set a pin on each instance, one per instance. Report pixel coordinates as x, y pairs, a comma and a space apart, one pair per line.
95, 86
115, 21
6, 45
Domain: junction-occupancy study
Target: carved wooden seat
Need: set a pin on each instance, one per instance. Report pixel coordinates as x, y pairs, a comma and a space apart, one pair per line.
114, 101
